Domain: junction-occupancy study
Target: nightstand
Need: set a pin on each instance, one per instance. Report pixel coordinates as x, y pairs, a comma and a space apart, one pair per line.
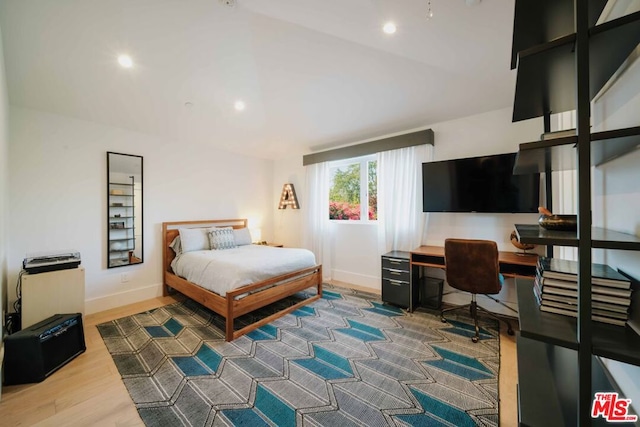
48, 293
274, 245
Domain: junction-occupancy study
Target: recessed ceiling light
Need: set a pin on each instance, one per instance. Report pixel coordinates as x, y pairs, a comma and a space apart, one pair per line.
125, 61
389, 28
239, 105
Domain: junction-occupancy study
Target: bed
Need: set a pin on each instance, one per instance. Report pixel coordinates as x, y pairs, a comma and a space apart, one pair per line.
235, 301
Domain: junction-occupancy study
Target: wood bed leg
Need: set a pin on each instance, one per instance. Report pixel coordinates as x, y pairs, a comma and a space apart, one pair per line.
320, 281
229, 319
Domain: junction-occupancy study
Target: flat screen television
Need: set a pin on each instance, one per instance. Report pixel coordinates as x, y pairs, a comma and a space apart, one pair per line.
479, 184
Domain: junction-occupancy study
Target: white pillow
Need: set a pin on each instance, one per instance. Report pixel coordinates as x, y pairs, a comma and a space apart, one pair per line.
242, 236
176, 245
194, 239
222, 238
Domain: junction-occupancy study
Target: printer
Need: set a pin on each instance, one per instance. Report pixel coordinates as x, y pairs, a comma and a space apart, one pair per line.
51, 261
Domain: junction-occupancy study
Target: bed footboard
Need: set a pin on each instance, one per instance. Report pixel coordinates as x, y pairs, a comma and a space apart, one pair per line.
310, 277
262, 294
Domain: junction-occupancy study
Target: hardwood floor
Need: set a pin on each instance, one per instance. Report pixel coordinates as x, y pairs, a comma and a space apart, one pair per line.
88, 391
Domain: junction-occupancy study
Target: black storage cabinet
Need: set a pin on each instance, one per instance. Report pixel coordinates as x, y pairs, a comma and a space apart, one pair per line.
396, 280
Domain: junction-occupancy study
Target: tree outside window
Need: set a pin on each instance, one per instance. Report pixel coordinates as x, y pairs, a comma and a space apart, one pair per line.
353, 192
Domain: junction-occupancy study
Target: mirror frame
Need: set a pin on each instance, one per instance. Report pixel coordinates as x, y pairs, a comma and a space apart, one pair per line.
124, 232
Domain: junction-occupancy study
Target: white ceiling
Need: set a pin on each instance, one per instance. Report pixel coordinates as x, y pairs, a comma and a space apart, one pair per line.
313, 73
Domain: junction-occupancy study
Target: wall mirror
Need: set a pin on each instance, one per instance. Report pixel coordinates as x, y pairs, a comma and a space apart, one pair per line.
124, 210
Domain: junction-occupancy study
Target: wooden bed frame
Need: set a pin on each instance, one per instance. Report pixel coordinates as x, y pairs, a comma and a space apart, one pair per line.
229, 306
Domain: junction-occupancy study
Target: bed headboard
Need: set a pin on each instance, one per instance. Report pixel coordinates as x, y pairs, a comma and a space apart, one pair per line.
170, 231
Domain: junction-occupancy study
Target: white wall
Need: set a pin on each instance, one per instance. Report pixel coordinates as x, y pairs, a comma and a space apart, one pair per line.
483, 134
58, 196
4, 200
354, 246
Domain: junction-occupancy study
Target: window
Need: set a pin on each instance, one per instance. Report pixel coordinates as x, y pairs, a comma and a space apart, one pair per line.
353, 190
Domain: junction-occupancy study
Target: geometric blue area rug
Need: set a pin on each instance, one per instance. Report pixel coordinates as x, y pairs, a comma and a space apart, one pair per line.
343, 360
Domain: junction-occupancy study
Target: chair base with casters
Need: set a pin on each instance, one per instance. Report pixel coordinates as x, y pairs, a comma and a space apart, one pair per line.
473, 310
472, 265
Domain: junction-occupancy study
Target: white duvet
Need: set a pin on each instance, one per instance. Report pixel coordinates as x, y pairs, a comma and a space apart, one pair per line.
223, 270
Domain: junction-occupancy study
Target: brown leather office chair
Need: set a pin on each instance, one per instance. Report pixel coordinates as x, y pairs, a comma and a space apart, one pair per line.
472, 266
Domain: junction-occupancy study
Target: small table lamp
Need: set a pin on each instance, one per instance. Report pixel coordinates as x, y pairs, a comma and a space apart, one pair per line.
256, 234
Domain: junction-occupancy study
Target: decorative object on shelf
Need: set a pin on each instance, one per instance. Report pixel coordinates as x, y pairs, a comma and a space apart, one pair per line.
288, 197
556, 290
117, 225
524, 247
550, 221
118, 246
133, 259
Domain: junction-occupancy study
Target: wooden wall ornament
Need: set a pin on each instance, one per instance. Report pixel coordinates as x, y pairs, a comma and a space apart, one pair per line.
288, 197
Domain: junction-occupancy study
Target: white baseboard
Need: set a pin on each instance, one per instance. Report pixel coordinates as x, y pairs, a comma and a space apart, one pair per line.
107, 302
363, 280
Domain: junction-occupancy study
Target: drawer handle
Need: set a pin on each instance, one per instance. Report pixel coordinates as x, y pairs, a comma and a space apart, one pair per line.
396, 260
396, 272
395, 282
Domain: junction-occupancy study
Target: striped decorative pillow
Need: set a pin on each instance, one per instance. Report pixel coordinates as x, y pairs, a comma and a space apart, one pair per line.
222, 238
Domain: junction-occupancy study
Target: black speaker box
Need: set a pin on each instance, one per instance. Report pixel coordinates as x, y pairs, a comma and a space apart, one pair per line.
36, 352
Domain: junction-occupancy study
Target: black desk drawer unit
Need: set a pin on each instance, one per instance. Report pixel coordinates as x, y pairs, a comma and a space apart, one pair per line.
396, 280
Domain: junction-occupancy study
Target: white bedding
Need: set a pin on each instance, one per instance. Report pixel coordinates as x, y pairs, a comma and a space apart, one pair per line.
223, 270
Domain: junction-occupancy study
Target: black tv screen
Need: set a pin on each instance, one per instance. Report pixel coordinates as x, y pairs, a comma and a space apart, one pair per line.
479, 184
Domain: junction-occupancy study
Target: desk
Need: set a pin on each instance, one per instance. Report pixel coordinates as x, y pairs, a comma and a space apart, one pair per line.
511, 264
402, 273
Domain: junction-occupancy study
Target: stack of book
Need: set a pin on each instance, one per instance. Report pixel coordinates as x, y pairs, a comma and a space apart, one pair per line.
556, 289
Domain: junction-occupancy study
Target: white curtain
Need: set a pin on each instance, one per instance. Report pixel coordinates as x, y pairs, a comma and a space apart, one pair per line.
317, 228
401, 222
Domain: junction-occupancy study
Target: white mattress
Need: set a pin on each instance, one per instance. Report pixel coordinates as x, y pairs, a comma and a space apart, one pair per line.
223, 270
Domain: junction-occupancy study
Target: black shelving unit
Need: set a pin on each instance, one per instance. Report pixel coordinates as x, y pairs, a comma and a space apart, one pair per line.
601, 238
541, 368
123, 194
613, 342
564, 59
533, 157
536, 22
538, 384
546, 80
